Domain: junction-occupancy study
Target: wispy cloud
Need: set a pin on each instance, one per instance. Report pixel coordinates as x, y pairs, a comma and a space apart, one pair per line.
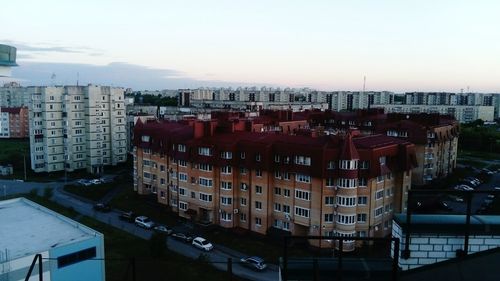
26, 49
116, 74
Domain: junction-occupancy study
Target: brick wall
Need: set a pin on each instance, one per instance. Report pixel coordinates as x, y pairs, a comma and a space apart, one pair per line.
429, 248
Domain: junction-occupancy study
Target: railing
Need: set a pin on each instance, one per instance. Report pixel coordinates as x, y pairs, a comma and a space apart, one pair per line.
40, 268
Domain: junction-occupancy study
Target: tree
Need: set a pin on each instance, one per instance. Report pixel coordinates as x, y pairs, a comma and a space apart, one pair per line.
158, 245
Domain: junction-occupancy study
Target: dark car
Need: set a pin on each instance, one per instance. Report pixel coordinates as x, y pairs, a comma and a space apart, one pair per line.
163, 229
102, 207
128, 216
255, 263
186, 238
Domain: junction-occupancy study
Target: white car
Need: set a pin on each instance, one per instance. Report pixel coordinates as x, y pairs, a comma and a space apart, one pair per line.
202, 244
95, 181
145, 222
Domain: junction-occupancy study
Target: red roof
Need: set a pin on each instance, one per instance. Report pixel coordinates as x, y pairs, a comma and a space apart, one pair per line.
348, 151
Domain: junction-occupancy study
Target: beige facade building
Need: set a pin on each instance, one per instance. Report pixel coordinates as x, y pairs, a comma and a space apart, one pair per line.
304, 185
77, 127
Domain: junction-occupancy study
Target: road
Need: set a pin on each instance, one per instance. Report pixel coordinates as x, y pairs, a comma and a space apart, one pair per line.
85, 207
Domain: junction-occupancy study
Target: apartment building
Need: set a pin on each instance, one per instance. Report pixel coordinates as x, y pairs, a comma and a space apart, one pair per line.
217, 173
13, 95
436, 142
14, 122
462, 113
77, 127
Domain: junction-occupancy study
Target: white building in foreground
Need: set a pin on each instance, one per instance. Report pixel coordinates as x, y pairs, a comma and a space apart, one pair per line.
70, 250
77, 127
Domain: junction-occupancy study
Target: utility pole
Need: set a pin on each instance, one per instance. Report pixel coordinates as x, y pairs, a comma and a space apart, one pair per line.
24, 162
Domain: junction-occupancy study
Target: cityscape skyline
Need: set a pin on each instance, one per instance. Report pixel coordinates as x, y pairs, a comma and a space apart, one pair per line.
419, 46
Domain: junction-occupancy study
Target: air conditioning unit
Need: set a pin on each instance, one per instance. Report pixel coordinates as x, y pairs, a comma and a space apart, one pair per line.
235, 211
220, 211
287, 217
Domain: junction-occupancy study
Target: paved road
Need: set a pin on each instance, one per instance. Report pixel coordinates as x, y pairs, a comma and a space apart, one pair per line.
85, 207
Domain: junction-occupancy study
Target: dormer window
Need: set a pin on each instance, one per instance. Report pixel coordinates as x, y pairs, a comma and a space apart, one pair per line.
145, 138
181, 148
226, 155
205, 151
348, 164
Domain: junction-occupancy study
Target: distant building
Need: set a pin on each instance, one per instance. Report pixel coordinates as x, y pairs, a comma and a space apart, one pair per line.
6, 170
463, 113
70, 250
14, 122
13, 95
77, 127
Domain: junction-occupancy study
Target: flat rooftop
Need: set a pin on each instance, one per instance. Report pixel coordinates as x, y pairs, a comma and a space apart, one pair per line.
27, 228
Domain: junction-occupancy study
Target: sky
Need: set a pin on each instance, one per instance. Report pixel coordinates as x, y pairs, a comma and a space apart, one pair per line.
413, 45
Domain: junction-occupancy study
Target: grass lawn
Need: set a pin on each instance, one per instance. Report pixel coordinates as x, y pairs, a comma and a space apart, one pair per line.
93, 192
478, 154
120, 247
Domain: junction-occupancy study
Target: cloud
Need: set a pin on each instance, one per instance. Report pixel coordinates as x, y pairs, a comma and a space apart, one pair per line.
39, 48
120, 74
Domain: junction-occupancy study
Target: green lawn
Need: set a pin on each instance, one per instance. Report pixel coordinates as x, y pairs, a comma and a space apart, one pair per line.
93, 192
120, 247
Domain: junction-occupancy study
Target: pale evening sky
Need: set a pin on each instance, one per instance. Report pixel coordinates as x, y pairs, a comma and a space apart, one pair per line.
330, 45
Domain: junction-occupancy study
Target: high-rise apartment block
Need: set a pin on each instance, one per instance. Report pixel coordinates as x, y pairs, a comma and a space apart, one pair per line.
76, 127
225, 173
14, 122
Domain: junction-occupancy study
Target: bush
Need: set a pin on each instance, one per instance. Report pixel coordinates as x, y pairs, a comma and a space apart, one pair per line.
158, 245
48, 192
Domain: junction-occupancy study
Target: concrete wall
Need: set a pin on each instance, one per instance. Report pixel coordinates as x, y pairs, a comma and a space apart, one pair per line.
429, 248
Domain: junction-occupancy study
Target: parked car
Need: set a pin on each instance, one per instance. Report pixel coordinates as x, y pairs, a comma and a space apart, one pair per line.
202, 244
106, 179
83, 182
487, 171
128, 216
444, 206
255, 263
463, 187
496, 188
102, 207
491, 196
145, 222
163, 229
95, 181
186, 238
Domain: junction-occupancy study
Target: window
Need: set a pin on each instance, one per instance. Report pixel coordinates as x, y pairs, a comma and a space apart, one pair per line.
183, 205
303, 178
302, 194
380, 178
162, 168
277, 207
349, 164
277, 191
379, 194
329, 200
145, 138
379, 211
258, 222
329, 218
226, 155
363, 165
205, 167
258, 189
226, 185
302, 212
182, 163
346, 201
331, 165
258, 172
286, 192
286, 225
286, 209
243, 217
181, 148
243, 171
205, 182
226, 200
286, 176
347, 183
362, 218
147, 175
302, 160
330, 182
226, 170
226, 216
242, 155
183, 177
258, 157
258, 205
243, 201
205, 151
205, 197
346, 219
277, 174
276, 158
162, 181
193, 194
382, 160
182, 191
76, 257
146, 151
362, 200
244, 186
362, 182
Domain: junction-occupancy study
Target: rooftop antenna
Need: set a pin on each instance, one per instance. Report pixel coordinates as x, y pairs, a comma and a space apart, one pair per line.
77, 78
364, 83
468, 89
53, 78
